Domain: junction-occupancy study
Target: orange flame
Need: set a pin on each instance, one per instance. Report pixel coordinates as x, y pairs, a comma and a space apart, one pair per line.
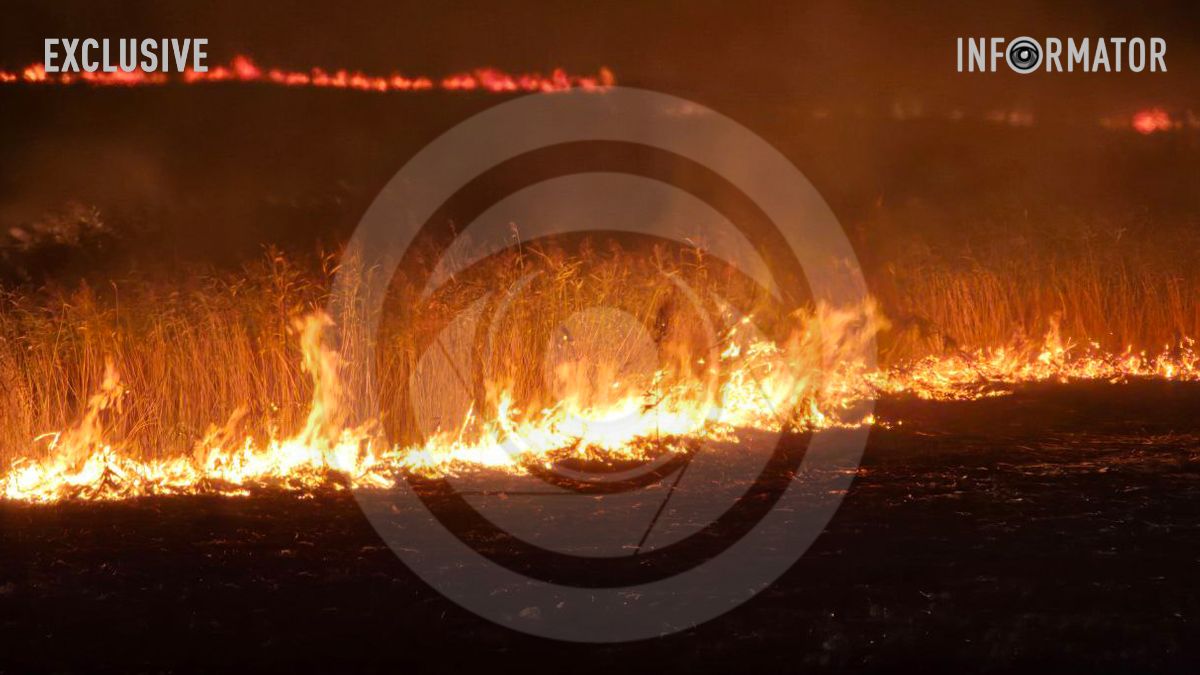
767, 386
764, 383
243, 69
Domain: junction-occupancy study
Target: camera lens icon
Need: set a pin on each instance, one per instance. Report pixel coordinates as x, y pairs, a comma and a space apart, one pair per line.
1024, 55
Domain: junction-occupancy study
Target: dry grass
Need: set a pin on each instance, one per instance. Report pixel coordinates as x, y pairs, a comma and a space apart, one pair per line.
189, 354
1116, 286
192, 352
193, 349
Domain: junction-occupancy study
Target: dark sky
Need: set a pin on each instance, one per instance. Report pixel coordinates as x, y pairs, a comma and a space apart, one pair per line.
255, 164
831, 52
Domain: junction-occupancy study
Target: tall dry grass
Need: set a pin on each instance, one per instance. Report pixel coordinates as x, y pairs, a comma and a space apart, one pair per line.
1118, 284
195, 347
202, 347
188, 353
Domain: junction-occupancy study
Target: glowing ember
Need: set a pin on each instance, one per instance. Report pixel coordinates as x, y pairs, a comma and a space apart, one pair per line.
243, 69
1151, 120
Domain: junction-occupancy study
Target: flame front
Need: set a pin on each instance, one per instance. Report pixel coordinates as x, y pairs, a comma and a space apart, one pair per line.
765, 386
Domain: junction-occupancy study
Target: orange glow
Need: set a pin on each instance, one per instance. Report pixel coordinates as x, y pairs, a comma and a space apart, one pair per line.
244, 69
1150, 120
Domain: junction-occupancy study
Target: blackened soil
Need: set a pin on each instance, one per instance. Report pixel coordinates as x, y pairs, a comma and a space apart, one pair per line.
1055, 529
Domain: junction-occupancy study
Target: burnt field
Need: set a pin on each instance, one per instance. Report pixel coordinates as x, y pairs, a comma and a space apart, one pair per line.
1054, 527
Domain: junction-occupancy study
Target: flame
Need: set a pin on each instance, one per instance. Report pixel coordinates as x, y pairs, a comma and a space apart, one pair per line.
764, 381
1151, 120
994, 372
242, 69
764, 385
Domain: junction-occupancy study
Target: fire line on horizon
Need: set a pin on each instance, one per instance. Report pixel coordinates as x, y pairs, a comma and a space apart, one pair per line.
243, 69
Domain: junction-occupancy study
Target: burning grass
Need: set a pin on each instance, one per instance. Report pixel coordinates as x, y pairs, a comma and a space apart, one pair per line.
230, 381
242, 69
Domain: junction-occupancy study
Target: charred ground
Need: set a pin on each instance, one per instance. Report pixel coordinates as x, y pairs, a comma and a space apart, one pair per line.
1055, 526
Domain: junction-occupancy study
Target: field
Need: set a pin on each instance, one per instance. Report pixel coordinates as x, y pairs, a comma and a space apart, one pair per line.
1025, 496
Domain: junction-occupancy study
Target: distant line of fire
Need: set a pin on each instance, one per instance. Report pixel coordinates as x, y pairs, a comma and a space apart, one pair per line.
1145, 121
243, 69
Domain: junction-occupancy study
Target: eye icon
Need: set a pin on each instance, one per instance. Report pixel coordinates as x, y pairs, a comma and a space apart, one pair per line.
1024, 55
